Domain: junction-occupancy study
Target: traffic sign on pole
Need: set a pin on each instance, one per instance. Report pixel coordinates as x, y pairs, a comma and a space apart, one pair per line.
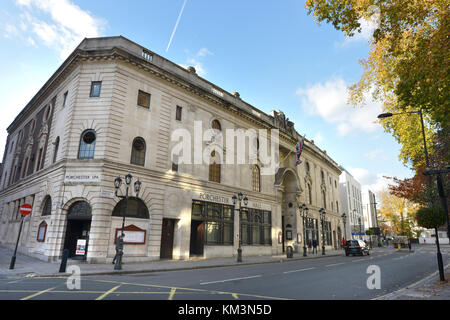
25, 209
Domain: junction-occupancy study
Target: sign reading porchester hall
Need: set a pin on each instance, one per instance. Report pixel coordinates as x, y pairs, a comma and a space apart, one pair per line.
208, 171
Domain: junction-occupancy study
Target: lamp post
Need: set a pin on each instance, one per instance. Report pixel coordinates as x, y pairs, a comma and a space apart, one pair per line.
427, 162
304, 214
322, 219
360, 231
354, 220
137, 188
344, 219
239, 198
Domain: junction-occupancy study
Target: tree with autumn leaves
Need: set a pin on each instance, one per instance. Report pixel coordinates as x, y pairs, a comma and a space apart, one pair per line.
408, 69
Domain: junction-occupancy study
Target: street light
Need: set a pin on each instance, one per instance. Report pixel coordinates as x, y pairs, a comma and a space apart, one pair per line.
344, 219
360, 233
304, 214
137, 187
322, 219
239, 197
427, 162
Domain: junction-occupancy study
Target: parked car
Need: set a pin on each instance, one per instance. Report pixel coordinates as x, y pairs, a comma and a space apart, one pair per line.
356, 247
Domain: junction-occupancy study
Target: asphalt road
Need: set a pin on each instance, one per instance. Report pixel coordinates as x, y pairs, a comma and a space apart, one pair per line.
329, 278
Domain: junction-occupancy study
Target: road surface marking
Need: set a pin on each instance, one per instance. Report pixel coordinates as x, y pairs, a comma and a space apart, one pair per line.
358, 260
37, 294
300, 270
172, 293
334, 264
235, 279
108, 293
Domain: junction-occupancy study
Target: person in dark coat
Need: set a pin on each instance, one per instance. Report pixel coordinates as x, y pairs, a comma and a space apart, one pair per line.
119, 247
314, 246
309, 245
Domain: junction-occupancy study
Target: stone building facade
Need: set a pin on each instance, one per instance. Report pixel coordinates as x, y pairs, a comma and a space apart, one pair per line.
112, 109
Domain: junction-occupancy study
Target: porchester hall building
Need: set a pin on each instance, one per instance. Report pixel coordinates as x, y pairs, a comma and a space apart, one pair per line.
112, 110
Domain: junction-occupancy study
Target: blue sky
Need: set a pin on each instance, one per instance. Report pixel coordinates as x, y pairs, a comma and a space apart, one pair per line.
271, 52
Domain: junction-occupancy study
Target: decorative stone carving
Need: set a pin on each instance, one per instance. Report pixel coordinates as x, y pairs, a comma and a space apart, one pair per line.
282, 122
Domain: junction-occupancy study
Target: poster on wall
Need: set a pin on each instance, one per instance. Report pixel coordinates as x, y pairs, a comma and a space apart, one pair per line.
133, 235
81, 247
41, 232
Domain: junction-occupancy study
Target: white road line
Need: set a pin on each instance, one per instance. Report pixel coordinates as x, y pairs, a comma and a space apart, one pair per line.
358, 260
235, 279
334, 264
300, 270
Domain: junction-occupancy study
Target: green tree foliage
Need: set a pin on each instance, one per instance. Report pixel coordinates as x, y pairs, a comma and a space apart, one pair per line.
408, 66
432, 217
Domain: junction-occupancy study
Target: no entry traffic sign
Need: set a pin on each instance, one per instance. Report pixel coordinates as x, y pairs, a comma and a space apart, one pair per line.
25, 209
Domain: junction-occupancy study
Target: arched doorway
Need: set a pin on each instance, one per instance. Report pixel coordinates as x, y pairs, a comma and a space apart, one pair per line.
289, 192
79, 217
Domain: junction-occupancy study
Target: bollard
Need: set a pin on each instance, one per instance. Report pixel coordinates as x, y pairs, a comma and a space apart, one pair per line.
63, 265
289, 252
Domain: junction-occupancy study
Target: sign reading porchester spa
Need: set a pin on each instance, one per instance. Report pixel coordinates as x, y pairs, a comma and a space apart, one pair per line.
227, 200
81, 178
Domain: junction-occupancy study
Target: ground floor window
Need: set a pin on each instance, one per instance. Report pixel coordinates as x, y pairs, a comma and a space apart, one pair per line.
327, 233
312, 231
256, 226
218, 220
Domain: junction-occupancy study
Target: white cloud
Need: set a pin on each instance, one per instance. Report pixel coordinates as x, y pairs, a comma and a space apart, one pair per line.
318, 139
204, 52
197, 65
329, 101
65, 25
366, 34
374, 182
373, 154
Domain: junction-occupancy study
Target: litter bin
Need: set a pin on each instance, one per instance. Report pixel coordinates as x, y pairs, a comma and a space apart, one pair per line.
289, 252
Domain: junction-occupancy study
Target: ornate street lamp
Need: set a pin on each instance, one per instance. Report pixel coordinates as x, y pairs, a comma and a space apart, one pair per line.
304, 214
137, 187
322, 219
240, 197
344, 219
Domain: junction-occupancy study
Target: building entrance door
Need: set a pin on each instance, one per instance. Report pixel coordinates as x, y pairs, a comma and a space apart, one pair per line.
168, 226
76, 230
197, 231
79, 217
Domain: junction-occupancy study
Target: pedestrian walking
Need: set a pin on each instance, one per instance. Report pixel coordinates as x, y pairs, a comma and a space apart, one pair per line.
314, 246
119, 247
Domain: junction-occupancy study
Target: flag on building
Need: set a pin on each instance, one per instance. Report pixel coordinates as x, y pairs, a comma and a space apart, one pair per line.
299, 149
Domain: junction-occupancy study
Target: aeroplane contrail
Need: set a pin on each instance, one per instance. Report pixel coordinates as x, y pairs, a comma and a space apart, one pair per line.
176, 25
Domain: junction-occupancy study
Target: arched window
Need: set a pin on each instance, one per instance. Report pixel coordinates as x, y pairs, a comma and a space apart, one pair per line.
47, 210
214, 168
323, 177
55, 152
256, 178
80, 210
87, 145
138, 152
216, 125
307, 167
136, 208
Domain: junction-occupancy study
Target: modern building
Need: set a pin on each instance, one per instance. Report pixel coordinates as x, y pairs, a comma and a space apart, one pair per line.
369, 209
352, 205
115, 108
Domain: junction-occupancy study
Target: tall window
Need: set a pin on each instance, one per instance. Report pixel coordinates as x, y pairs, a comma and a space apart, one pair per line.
324, 197
216, 125
307, 168
55, 152
323, 177
179, 113
143, 99
65, 99
96, 87
175, 163
87, 145
39, 159
256, 227
138, 152
256, 178
47, 210
214, 168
